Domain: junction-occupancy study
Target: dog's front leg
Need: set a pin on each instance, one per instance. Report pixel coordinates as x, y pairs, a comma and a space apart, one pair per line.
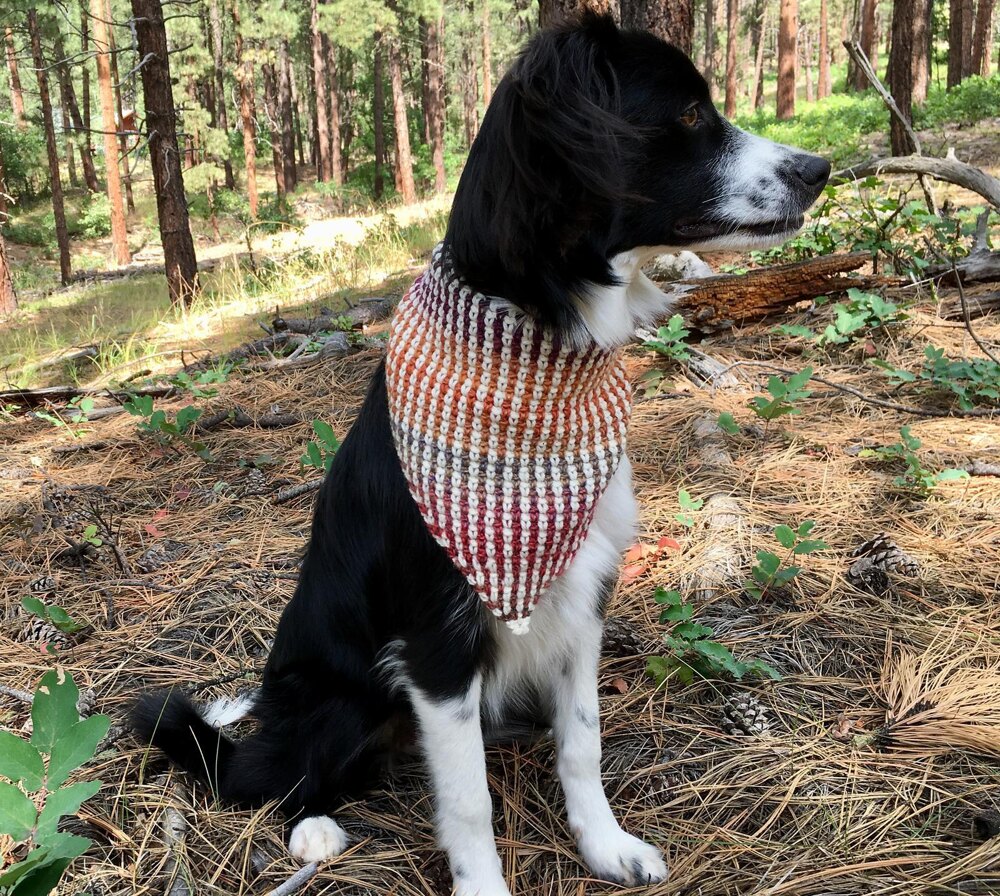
452, 736
610, 853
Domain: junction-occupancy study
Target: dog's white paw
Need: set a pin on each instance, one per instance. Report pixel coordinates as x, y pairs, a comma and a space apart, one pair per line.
478, 888
317, 839
623, 859
483, 877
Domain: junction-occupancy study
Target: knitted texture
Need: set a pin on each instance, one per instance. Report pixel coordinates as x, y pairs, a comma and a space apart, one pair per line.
507, 437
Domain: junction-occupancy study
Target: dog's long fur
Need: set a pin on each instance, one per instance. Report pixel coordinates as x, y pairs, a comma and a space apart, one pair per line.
588, 162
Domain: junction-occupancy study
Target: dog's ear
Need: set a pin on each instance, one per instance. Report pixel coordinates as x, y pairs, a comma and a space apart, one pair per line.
547, 163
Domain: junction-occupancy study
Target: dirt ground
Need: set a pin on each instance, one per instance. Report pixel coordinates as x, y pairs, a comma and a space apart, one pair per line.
856, 777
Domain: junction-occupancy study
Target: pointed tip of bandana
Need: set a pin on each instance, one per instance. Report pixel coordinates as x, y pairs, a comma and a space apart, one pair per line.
519, 626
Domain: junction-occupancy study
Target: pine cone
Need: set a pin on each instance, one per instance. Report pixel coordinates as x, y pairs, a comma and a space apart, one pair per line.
39, 630
876, 558
254, 483
42, 585
161, 554
621, 638
744, 714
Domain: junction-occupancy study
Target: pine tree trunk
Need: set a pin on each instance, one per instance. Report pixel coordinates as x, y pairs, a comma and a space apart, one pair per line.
824, 86
864, 31
787, 39
968, 23
16, 93
425, 102
274, 116
552, 12
58, 207
922, 19
324, 159
378, 113
435, 99
119, 235
672, 20
85, 73
981, 38
80, 123
222, 113
296, 116
8, 297
404, 160
708, 59
244, 80
286, 119
123, 138
67, 132
488, 54
4, 208
468, 76
807, 64
904, 14
956, 50
161, 135
347, 92
332, 57
732, 23
758, 69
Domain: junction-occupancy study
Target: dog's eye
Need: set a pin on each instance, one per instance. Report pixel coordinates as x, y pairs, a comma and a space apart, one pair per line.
690, 116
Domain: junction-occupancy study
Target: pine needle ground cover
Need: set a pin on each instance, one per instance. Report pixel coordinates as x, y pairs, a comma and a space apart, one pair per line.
871, 765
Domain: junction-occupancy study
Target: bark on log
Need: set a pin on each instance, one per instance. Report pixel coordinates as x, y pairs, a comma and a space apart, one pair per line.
368, 312
48, 394
715, 303
978, 305
948, 169
982, 266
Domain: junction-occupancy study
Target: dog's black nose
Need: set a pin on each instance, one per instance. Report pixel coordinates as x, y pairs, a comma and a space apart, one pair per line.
813, 171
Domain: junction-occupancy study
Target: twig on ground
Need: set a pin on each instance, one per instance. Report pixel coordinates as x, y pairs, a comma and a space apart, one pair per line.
293, 491
967, 318
14, 693
297, 881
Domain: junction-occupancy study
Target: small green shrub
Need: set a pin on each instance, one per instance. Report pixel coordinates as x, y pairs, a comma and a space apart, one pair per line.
167, 431
772, 571
35, 797
689, 506
783, 395
669, 340
862, 313
79, 410
973, 381
692, 652
319, 454
915, 478
95, 221
54, 615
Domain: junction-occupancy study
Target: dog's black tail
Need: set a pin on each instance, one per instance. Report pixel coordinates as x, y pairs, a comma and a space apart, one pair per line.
170, 721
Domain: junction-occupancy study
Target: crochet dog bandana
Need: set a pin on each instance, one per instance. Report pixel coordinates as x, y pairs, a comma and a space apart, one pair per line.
506, 436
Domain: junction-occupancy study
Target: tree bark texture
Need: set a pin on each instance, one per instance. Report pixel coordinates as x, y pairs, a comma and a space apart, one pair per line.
324, 159
58, 206
123, 138
378, 113
673, 20
901, 73
273, 110
435, 99
982, 38
161, 135
119, 235
732, 25
922, 14
488, 54
333, 57
959, 41
221, 112
552, 12
16, 93
8, 296
244, 81
80, 124
286, 117
824, 85
404, 160
787, 51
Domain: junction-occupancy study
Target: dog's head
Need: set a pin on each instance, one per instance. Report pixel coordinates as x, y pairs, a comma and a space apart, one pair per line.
599, 141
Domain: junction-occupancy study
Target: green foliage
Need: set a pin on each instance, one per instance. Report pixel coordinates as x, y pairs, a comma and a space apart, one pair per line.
669, 340
915, 478
784, 394
320, 453
168, 432
727, 423
25, 164
91, 537
860, 314
691, 648
973, 381
772, 571
34, 796
202, 384
56, 616
95, 219
689, 506
968, 102
79, 410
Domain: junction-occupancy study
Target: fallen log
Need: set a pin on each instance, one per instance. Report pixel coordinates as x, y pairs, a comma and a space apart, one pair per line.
47, 394
948, 169
978, 305
367, 311
980, 267
716, 303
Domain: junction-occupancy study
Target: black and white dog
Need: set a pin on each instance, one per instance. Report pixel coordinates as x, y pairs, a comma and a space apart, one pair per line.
600, 149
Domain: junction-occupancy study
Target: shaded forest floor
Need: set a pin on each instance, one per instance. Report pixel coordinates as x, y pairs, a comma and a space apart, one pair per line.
856, 776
